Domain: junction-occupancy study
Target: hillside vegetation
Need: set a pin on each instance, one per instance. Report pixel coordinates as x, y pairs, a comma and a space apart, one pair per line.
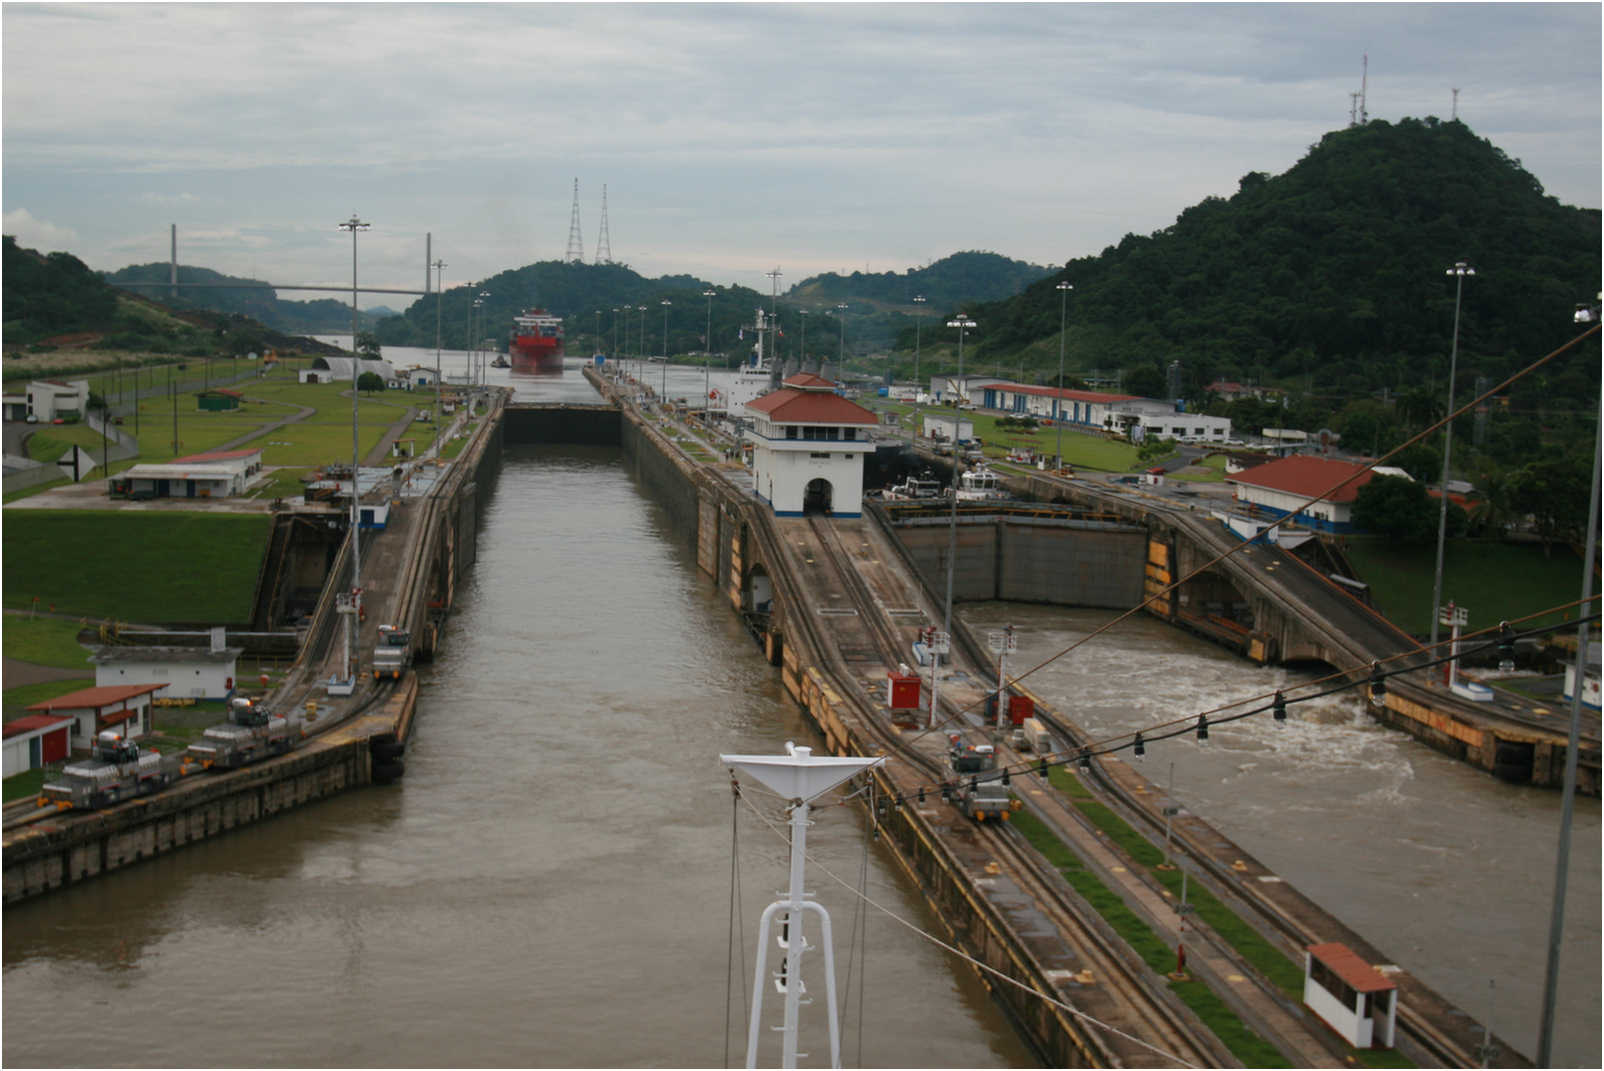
234, 294
1331, 276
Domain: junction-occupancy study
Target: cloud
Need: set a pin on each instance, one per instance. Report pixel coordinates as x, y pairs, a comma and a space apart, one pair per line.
32, 233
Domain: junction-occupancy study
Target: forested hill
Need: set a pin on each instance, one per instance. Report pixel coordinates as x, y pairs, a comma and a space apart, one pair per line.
961, 277
252, 299
1332, 275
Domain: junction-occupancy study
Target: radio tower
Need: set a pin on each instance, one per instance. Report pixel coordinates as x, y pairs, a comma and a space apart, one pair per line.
604, 244
576, 245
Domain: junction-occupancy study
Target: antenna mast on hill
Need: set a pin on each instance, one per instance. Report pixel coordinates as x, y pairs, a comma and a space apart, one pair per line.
1454, 113
1353, 109
1364, 93
576, 245
604, 244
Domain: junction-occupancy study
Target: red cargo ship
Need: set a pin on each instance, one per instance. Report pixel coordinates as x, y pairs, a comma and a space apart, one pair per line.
537, 342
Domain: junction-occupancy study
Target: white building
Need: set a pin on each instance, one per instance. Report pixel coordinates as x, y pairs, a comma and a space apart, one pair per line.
338, 370
1121, 414
1355, 999
51, 398
189, 672
122, 707
947, 427
808, 444
218, 474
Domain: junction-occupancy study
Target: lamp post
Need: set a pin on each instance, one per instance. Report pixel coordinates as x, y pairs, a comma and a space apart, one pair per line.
484, 358
1586, 316
1058, 402
962, 323
665, 303
439, 300
640, 346
707, 364
841, 353
1458, 271
354, 225
918, 319
478, 326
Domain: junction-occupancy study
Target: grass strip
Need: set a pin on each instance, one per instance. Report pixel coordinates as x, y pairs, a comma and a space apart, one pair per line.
1244, 1044
154, 567
16, 701
44, 641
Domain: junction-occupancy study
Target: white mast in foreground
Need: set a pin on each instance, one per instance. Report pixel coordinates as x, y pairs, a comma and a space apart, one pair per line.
800, 777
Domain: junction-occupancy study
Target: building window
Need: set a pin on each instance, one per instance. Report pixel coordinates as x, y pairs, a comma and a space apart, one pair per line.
823, 457
849, 434
790, 431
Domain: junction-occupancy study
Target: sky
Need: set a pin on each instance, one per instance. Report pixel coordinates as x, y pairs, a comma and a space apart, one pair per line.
732, 139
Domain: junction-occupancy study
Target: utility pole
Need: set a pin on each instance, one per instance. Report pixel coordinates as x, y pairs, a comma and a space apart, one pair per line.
439, 300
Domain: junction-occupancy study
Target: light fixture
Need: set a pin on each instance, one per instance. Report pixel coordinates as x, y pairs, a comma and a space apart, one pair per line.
1378, 681
1141, 749
1278, 707
1203, 729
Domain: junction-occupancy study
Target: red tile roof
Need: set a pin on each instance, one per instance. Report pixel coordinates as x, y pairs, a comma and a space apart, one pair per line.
1054, 392
215, 455
32, 722
1347, 965
1306, 475
103, 696
804, 380
790, 405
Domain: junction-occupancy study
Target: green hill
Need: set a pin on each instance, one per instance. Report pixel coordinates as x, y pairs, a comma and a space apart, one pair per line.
1330, 277
961, 278
878, 305
245, 297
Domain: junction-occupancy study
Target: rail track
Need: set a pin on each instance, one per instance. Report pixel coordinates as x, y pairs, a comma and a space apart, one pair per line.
1112, 985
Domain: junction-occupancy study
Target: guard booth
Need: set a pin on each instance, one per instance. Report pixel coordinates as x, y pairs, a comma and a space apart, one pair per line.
1355, 999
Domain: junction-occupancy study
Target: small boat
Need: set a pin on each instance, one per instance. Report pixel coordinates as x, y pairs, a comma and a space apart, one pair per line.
501, 362
923, 486
980, 484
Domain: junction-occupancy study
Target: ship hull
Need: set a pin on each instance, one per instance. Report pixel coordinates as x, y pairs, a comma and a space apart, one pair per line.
536, 359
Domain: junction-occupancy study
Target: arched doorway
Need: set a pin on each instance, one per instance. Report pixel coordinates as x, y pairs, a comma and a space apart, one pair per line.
818, 496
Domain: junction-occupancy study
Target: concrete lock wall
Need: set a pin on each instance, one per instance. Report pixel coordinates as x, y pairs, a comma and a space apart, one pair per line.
1029, 560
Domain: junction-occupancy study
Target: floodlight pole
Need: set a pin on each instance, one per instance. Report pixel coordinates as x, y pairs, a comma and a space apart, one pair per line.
354, 225
800, 777
1459, 271
439, 300
1058, 402
1556, 925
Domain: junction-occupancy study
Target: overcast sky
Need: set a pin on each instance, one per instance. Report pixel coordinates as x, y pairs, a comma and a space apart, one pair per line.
731, 138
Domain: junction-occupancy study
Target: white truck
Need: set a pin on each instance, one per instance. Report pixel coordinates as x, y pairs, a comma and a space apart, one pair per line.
115, 771
977, 797
393, 653
251, 733
1033, 736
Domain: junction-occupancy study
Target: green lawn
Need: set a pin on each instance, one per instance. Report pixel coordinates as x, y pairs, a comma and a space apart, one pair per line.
52, 440
1494, 581
1082, 451
148, 567
46, 641
23, 785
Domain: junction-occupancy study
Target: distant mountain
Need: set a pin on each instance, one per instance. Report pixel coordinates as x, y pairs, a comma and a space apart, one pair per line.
952, 281
247, 297
878, 305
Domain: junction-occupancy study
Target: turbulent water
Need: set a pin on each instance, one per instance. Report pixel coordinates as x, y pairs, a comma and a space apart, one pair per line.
1445, 869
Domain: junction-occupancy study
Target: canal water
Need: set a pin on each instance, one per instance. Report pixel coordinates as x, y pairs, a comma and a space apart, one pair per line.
1445, 869
550, 885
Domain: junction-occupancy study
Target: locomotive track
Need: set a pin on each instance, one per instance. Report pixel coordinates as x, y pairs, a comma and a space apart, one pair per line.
853, 591
1250, 901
